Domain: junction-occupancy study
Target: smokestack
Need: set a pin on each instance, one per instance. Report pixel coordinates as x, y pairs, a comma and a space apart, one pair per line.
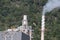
50, 5
43, 26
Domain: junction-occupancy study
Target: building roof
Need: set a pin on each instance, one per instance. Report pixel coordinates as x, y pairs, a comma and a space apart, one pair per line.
13, 36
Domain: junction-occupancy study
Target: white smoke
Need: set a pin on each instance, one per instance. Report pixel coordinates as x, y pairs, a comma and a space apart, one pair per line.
50, 5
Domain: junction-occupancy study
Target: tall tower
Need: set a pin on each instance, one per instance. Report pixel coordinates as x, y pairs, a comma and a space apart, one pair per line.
24, 21
25, 28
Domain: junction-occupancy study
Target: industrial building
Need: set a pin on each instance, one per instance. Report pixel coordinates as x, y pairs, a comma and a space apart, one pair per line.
23, 32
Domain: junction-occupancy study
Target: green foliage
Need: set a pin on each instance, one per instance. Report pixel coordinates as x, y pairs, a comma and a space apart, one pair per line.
12, 11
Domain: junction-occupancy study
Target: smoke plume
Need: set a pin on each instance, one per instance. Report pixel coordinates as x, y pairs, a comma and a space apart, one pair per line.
50, 5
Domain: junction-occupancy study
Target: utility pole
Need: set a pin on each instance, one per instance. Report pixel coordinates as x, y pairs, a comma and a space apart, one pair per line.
30, 34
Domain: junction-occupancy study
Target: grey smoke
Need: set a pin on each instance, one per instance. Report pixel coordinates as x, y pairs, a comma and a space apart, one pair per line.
50, 5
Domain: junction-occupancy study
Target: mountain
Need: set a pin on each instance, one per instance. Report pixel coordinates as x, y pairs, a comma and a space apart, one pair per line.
12, 11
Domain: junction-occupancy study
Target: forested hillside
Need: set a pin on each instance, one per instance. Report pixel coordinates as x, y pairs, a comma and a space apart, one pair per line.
12, 11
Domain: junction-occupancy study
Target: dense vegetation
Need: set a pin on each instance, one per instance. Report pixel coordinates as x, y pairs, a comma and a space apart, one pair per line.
12, 11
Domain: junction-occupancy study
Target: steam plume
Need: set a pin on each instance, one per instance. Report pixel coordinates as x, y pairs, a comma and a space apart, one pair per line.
50, 5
